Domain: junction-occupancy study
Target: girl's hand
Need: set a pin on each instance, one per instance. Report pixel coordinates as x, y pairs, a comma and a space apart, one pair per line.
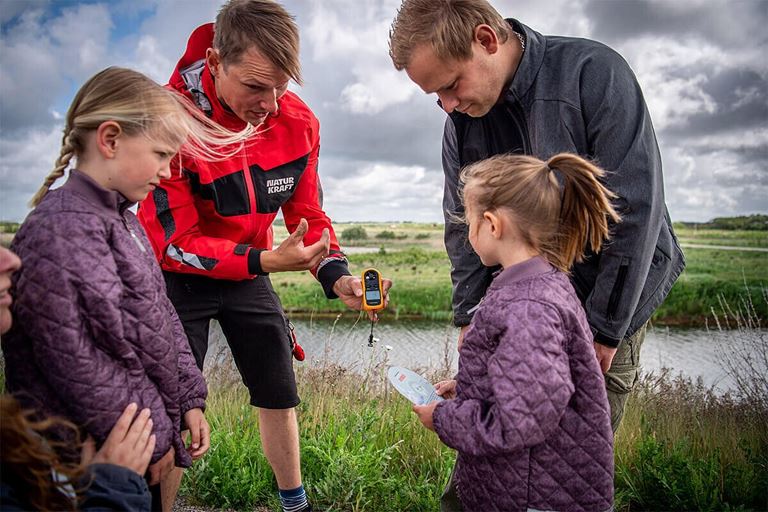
129, 444
446, 388
424, 412
199, 431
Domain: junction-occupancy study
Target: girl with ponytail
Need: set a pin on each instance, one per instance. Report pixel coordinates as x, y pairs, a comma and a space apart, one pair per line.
528, 411
95, 330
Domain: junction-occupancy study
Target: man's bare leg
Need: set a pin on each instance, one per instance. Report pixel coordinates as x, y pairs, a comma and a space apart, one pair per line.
169, 488
280, 441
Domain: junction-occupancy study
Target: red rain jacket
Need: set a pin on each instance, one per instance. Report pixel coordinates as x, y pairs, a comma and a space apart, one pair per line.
212, 217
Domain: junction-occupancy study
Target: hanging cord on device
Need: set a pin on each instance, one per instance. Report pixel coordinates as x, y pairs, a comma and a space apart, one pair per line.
371, 339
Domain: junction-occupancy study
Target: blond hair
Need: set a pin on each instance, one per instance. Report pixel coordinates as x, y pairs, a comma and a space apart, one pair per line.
141, 107
559, 224
263, 24
447, 25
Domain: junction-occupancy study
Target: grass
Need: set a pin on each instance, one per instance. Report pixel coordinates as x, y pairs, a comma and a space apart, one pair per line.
680, 447
361, 449
422, 284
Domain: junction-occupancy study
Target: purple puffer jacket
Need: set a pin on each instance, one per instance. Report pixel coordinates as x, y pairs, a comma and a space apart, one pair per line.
94, 329
530, 420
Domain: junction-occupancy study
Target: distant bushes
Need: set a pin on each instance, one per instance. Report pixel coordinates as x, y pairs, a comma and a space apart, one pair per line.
744, 222
354, 233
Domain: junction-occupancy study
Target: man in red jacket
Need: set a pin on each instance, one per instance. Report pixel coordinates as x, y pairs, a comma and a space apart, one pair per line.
211, 223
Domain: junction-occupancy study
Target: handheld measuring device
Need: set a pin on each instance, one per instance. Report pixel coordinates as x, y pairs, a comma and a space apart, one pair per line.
373, 295
373, 292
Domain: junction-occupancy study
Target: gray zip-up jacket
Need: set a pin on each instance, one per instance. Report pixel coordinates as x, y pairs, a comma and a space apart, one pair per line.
578, 96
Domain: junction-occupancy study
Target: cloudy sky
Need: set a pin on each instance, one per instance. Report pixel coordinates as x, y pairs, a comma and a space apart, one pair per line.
702, 65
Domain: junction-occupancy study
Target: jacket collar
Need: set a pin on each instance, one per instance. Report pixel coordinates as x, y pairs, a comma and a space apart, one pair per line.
108, 201
533, 57
523, 270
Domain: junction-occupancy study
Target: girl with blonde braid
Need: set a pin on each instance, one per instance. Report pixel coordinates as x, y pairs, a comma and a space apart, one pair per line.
95, 331
528, 411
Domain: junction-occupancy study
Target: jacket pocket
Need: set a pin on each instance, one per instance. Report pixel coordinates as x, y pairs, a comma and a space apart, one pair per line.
618, 288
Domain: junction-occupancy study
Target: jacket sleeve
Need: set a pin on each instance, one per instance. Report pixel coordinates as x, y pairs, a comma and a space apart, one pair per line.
530, 382
109, 487
172, 223
307, 202
469, 276
68, 301
192, 387
622, 141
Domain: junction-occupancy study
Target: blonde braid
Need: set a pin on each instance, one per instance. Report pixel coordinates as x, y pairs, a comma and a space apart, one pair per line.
62, 162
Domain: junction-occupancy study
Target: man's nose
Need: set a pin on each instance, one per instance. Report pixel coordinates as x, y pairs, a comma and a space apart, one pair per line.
448, 102
268, 102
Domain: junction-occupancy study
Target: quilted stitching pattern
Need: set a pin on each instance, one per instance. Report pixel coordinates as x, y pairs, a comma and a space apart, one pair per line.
531, 421
94, 328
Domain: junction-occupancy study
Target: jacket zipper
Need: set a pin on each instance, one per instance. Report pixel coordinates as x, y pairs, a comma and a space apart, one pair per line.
515, 111
133, 235
251, 188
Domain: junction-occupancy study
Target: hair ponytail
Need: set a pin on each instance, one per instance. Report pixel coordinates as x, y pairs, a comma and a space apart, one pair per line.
62, 162
559, 225
585, 209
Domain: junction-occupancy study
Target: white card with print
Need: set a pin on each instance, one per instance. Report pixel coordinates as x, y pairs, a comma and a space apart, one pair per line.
413, 386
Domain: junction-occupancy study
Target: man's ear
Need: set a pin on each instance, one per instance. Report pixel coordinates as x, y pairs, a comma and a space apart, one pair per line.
487, 38
213, 60
107, 137
495, 223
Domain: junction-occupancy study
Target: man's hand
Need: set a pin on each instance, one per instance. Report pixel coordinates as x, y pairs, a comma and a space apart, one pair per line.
424, 412
350, 292
446, 389
129, 444
604, 356
199, 431
291, 254
161, 468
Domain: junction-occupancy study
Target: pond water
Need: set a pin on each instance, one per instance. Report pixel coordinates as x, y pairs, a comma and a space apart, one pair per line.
421, 344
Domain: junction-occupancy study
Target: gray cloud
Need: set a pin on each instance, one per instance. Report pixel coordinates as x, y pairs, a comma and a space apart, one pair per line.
701, 65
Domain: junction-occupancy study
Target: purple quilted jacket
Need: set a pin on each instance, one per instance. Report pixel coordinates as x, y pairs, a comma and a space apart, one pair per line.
530, 420
94, 329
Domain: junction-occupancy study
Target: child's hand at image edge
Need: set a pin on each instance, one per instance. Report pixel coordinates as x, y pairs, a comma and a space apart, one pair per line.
130, 442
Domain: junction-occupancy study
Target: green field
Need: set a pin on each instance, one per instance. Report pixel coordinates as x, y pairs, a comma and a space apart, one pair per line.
416, 261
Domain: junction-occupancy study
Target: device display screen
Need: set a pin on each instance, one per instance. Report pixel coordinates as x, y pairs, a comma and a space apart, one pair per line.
372, 292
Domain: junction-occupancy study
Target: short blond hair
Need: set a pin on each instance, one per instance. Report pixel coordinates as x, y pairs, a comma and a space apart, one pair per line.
261, 24
447, 25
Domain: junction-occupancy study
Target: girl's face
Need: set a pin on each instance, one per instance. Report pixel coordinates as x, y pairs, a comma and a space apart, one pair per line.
9, 263
140, 164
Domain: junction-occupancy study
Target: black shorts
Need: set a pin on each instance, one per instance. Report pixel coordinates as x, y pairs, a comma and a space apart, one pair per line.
253, 322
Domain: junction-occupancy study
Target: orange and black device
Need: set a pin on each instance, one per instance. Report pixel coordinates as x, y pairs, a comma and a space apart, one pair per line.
373, 292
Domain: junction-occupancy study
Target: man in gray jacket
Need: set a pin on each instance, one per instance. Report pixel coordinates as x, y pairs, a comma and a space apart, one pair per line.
507, 88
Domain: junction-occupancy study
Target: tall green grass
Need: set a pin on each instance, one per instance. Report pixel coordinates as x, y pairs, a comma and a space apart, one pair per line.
680, 447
